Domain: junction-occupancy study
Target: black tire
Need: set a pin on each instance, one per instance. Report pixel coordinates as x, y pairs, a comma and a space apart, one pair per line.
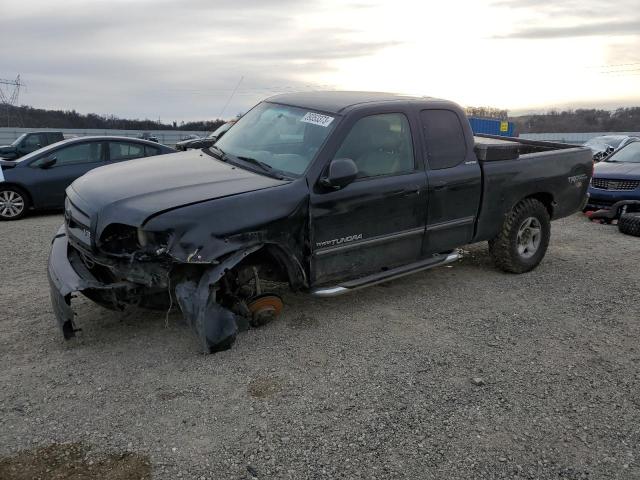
629, 224
14, 203
518, 248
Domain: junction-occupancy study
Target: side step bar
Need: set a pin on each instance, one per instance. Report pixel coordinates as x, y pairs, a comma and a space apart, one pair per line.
381, 277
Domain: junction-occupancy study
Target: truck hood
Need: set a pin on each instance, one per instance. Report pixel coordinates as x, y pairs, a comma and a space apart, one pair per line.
617, 170
133, 191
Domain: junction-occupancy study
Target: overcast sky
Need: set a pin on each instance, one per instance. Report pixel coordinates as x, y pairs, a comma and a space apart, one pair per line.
181, 60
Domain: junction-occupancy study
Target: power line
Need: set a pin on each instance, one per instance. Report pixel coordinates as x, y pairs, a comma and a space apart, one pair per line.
614, 65
621, 70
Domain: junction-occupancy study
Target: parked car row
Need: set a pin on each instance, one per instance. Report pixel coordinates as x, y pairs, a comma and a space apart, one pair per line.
27, 143
605, 145
206, 142
37, 167
38, 180
616, 178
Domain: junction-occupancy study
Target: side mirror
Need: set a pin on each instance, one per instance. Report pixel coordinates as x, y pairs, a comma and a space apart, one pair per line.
342, 171
48, 163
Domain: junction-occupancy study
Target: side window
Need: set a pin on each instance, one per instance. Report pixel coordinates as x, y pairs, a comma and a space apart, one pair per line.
54, 137
33, 142
125, 151
151, 151
446, 145
81, 153
379, 145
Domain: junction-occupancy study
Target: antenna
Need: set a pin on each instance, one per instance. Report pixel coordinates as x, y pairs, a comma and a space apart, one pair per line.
231, 96
9, 95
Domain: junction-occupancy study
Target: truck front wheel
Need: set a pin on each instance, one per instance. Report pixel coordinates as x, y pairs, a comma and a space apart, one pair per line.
523, 239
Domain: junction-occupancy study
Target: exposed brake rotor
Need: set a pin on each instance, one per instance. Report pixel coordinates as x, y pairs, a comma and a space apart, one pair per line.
264, 308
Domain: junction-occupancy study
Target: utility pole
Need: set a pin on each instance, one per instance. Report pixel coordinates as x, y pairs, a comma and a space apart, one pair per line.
9, 95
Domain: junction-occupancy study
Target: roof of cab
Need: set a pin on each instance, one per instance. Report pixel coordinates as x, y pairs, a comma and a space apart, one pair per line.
336, 102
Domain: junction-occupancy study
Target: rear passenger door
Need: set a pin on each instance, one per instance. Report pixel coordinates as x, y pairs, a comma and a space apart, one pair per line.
455, 180
376, 222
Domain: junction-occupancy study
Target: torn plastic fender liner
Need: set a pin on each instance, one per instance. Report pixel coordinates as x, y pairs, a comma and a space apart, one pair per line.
64, 280
215, 326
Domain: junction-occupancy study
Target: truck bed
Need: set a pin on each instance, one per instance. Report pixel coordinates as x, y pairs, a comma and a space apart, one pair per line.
513, 169
490, 148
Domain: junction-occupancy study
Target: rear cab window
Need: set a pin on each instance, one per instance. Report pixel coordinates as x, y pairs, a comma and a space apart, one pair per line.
54, 137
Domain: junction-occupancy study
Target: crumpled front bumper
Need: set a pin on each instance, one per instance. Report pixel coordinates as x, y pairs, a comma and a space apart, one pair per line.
67, 277
215, 326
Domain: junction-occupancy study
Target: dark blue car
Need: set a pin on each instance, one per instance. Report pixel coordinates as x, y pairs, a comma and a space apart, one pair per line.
616, 178
38, 180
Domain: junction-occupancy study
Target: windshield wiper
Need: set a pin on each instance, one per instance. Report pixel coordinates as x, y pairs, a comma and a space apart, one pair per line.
219, 153
265, 167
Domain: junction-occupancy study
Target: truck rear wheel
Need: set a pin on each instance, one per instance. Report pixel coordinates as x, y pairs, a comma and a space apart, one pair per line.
523, 239
629, 223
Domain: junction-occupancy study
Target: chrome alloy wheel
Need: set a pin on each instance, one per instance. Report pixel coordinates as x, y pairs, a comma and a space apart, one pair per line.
529, 236
11, 204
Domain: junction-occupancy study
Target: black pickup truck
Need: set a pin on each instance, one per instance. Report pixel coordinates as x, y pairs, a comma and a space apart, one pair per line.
27, 143
327, 192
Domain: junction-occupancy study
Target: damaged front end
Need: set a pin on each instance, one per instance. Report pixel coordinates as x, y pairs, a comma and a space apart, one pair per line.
218, 297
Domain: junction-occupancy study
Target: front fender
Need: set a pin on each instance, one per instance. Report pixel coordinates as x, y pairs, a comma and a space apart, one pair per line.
208, 231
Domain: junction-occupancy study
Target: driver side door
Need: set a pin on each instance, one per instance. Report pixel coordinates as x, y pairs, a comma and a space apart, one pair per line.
72, 161
378, 221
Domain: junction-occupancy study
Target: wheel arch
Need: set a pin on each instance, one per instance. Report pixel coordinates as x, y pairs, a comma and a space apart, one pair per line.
276, 255
545, 198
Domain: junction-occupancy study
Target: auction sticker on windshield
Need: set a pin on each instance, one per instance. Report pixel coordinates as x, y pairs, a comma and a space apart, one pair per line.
317, 119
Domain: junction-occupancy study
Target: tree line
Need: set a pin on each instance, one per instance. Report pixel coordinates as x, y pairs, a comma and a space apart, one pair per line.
29, 117
581, 120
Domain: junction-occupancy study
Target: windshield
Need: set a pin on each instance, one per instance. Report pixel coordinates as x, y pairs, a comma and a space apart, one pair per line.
39, 152
18, 140
628, 154
221, 129
610, 140
283, 137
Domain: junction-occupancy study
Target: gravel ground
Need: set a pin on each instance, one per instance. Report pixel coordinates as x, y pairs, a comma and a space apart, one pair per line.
461, 372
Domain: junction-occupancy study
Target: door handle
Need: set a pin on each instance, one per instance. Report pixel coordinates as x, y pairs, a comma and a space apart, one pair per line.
405, 192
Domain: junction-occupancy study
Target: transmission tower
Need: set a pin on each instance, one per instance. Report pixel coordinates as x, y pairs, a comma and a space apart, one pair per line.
9, 94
